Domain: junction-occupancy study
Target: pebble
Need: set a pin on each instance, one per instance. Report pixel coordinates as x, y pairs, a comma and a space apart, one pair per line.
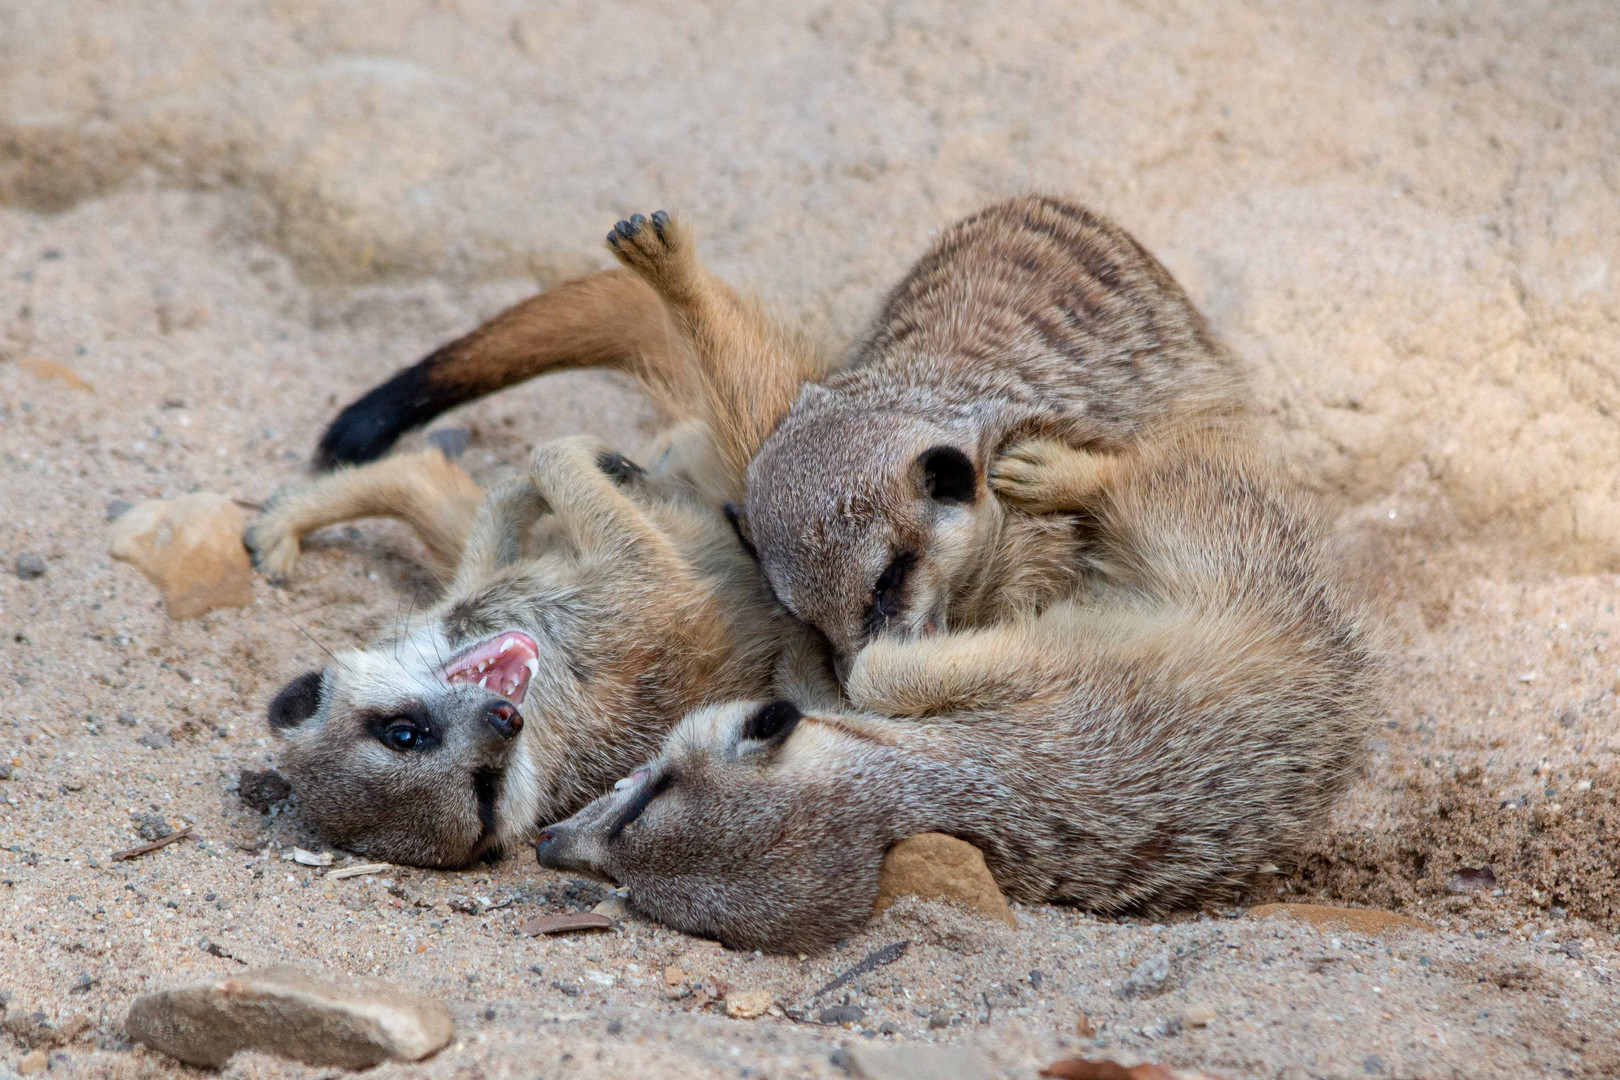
151, 827
117, 508
613, 908
452, 442
30, 1063
917, 1061
1084, 1028
156, 740
1201, 1014
262, 789
128, 719
1470, 878
1146, 979
352, 1024
190, 548
933, 866
747, 1004
29, 567
5, 770
841, 1014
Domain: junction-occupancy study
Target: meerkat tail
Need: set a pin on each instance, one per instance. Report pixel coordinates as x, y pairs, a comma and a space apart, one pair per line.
609, 320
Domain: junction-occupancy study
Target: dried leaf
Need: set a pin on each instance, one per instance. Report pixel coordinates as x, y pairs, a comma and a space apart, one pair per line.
558, 924
359, 870
1102, 1069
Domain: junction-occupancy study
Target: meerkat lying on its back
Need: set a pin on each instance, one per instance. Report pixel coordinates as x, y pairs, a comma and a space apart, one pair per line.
1148, 749
590, 604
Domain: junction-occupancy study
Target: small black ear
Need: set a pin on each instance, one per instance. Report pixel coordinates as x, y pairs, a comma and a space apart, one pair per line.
948, 474
773, 721
297, 701
739, 525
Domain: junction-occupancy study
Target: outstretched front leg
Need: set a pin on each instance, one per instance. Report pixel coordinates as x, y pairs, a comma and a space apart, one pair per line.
1044, 476
424, 490
750, 367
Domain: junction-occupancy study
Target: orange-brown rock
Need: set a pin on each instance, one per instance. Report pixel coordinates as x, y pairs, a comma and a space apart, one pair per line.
933, 866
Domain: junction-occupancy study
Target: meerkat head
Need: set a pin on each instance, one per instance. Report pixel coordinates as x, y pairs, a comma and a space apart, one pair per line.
400, 756
749, 827
866, 522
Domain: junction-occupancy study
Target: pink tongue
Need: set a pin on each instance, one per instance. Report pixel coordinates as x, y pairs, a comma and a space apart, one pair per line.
503, 665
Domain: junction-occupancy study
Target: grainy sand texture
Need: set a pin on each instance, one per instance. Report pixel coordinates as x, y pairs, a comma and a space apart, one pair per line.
220, 221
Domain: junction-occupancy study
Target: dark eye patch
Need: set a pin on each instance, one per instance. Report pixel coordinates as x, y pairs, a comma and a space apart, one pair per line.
649, 791
888, 593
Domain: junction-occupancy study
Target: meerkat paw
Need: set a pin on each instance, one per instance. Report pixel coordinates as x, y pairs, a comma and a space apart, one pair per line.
657, 248
575, 456
1047, 476
272, 543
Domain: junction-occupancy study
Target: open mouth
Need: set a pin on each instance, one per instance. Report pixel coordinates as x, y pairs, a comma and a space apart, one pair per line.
503, 665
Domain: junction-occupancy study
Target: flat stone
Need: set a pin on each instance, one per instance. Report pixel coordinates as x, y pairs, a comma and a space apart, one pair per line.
156, 740
1360, 920
190, 548
29, 567
747, 1004
326, 1020
933, 866
915, 1061
842, 1014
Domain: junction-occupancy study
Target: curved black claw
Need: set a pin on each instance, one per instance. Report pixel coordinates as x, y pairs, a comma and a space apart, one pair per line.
660, 219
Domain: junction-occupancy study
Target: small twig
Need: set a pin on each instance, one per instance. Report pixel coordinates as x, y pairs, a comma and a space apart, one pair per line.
147, 849
886, 955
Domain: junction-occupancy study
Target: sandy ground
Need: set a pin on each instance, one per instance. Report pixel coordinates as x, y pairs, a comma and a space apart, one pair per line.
224, 220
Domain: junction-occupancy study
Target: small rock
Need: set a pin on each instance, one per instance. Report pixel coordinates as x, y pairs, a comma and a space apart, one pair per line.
117, 508
612, 907
5, 770
747, 1004
673, 976
933, 866
353, 1024
29, 567
841, 1014
888, 1027
1199, 1015
1147, 979
156, 740
30, 1063
938, 1019
917, 1061
262, 790
128, 719
190, 548
152, 827
1361, 920
1470, 878
452, 442
1373, 1065
1572, 949
1035, 980
1084, 1028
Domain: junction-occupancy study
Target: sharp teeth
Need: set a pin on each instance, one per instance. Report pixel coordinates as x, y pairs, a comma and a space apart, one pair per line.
533, 664
621, 784
484, 681
507, 644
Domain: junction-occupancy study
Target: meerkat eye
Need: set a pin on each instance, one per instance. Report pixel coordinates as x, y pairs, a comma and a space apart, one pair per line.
638, 805
402, 736
888, 592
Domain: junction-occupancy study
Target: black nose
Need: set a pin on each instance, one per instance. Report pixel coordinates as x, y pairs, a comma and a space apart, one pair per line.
545, 849
505, 719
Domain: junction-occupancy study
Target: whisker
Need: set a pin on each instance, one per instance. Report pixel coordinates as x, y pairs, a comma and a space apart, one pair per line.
316, 641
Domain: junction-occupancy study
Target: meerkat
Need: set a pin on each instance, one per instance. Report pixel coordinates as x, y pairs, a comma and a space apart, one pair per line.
1146, 748
588, 605
592, 605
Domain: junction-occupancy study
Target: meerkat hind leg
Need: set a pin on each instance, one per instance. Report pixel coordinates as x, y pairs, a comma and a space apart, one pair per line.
425, 490
1046, 476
